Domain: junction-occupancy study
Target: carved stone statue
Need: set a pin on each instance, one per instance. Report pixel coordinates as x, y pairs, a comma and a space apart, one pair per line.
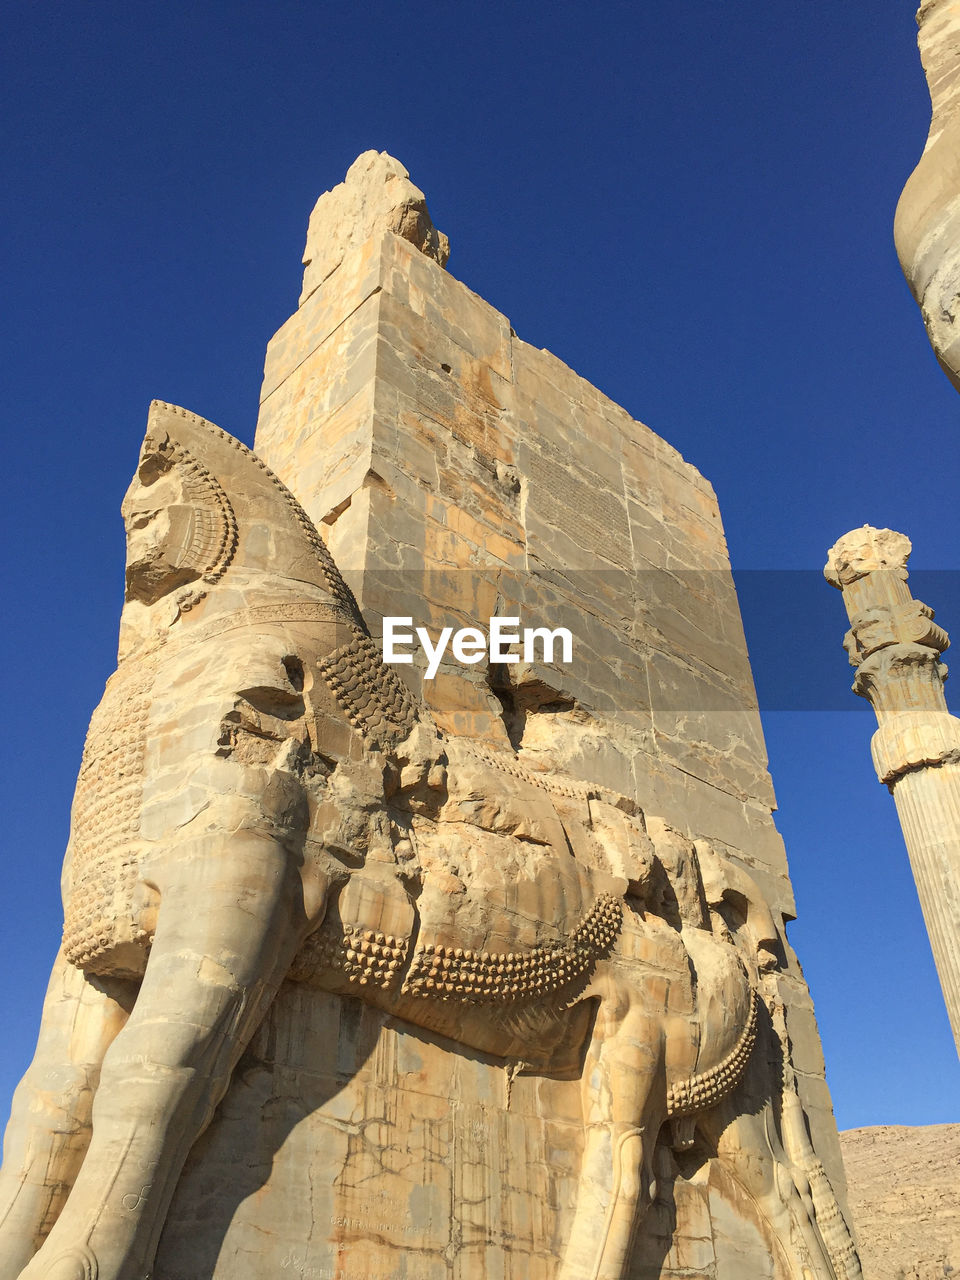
261, 800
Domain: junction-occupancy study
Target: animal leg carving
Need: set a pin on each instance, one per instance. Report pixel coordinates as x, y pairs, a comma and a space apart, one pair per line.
230, 921
49, 1127
623, 1100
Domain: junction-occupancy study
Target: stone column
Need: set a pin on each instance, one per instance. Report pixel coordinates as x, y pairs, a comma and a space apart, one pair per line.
895, 647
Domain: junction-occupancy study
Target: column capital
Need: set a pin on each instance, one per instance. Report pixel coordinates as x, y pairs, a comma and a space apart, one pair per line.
895, 646
869, 567
867, 550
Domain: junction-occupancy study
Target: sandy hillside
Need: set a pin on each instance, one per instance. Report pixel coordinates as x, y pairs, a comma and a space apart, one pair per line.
904, 1186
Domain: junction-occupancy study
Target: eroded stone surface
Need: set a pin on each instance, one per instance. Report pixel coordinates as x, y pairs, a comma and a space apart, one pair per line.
488, 975
927, 224
458, 471
375, 196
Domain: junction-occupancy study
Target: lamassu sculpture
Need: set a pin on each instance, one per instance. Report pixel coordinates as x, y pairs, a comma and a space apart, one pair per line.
261, 799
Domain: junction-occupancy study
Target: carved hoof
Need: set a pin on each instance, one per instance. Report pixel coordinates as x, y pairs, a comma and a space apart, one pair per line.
682, 1132
78, 1264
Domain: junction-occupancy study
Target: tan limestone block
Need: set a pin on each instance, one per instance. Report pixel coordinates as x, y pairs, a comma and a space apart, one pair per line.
376, 196
458, 320
331, 389
320, 315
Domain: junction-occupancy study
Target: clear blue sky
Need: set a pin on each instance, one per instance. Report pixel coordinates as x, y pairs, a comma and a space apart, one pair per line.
690, 204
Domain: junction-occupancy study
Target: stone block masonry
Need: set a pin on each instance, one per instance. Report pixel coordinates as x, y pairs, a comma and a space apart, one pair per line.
459, 472
451, 973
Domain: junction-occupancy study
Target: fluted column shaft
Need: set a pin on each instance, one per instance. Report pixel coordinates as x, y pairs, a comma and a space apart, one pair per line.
895, 647
928, 805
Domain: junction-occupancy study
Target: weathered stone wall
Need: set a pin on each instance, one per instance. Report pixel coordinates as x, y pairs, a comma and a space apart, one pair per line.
459, 472
472, 982
350, 1147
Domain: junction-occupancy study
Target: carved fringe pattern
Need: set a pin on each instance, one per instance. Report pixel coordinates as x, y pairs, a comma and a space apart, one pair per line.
700, 1092
331, 574
831, 1224
366, 957
568, 787
256, 615
483, 977
373, 698
215, 524
455, 973
106, 824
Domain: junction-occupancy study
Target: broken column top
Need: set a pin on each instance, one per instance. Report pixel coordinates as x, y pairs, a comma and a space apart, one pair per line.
866, 550
375, 196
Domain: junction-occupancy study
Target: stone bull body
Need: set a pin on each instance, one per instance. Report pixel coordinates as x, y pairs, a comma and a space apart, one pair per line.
260, 799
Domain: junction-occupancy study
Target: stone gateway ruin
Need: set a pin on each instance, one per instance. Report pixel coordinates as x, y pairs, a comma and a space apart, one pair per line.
369, 976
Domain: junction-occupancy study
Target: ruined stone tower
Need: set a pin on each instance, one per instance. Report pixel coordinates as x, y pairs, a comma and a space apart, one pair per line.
542, 1021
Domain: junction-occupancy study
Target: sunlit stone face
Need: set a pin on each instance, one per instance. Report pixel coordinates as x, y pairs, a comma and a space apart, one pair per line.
160, 536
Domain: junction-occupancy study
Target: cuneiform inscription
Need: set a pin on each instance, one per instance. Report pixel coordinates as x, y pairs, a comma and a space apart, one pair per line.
591, 515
